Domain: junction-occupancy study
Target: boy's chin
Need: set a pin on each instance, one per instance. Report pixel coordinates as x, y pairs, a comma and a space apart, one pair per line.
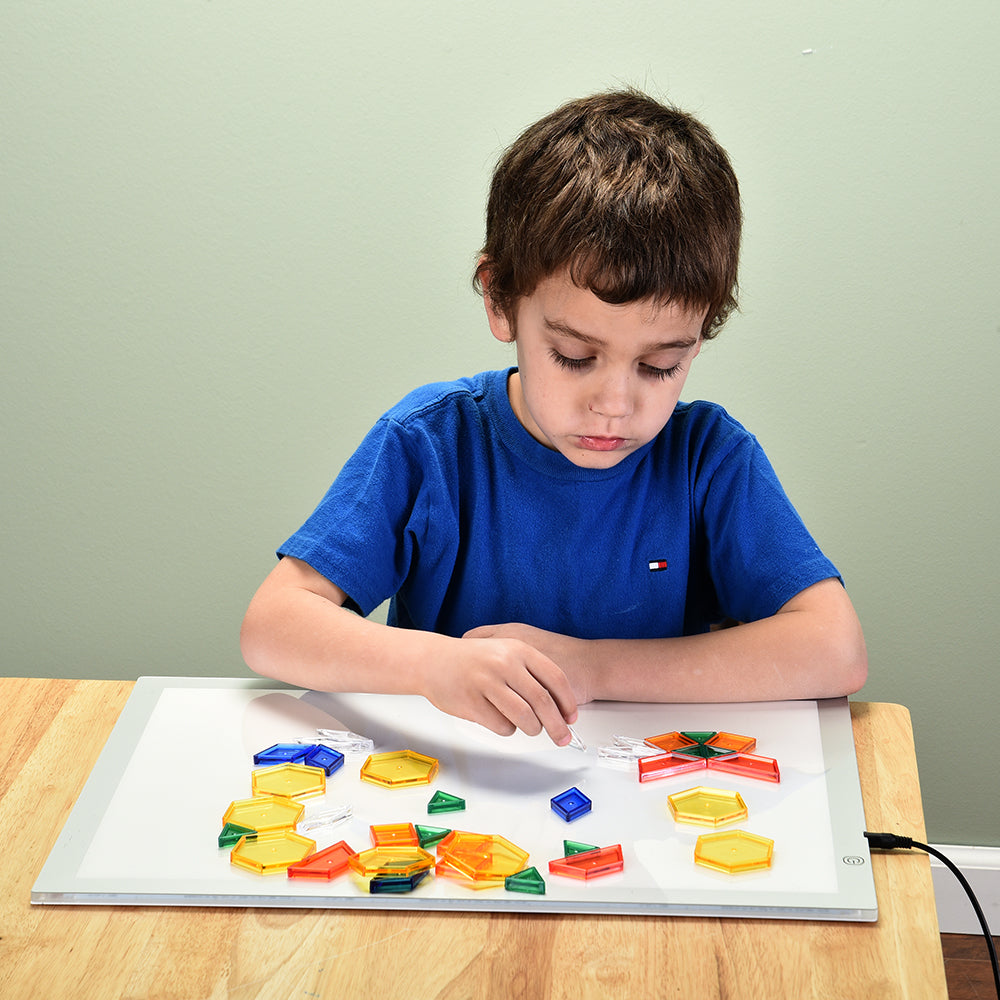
583, 458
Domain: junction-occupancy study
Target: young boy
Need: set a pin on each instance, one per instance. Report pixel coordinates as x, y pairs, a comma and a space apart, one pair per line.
567, 530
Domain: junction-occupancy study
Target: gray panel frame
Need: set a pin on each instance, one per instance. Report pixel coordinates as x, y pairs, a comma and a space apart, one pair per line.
60, 881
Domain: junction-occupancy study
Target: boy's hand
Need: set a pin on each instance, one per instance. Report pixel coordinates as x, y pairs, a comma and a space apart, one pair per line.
563, 650
504, 684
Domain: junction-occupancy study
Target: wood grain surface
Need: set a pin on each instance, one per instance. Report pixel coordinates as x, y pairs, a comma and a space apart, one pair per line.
54, 730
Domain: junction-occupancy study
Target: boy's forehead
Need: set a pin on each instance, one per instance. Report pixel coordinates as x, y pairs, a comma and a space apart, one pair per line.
678, 342
567, 308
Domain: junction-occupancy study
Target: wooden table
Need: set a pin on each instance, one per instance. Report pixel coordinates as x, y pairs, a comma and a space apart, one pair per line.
53, 732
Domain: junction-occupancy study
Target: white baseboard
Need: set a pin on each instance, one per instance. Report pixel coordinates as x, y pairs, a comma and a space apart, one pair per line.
981, 868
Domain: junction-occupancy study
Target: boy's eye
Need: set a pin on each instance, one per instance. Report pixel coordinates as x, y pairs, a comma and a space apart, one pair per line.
578, 364
654, 372
573, 364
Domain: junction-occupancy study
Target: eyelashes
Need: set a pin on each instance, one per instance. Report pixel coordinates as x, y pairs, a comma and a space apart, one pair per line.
570, 364
580, 364
661, 373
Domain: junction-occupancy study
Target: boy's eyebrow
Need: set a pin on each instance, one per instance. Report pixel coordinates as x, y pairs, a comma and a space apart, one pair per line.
556, 326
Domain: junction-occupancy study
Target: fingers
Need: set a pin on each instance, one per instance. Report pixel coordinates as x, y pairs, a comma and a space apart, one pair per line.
531, 711
528, 690
489, 717
551, 668
560, 690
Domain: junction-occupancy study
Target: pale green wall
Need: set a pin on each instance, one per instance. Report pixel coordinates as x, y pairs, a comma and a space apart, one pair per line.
233, 233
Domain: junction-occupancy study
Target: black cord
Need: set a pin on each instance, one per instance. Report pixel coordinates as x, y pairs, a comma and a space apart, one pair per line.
892, 842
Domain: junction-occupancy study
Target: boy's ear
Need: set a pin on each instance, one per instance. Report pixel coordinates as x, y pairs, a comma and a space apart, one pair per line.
500, 325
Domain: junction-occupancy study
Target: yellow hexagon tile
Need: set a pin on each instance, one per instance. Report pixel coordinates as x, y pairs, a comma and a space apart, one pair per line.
388, 860
399, 769
264, 813
271, 853
733, 851
294, 781
707, 806
481, 857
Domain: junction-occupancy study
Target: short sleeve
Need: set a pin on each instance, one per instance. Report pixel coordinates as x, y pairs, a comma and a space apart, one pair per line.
363, 533
760, 553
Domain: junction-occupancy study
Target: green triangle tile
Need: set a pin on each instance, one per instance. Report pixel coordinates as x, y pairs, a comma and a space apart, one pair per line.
702, 751
527, 881
699, 737
571, 847
431, 835
442, 802
231, 834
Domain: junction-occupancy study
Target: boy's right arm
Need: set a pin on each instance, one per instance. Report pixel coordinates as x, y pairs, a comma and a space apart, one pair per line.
298, 631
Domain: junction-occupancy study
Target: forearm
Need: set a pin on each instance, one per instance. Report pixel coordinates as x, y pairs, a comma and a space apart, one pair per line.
297, 630
812, 648
302, 638
752, 662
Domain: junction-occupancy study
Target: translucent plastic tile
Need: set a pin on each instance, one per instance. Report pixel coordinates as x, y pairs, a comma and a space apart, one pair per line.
667, 742
733, 742
668, 765
232, 833
631, 742
282, 753
574, 847
399, 769
481, 857
271, 853
399, 834
265, 813
327, 759
467, 840
624, 751
431, 836
396, 883
733, 851
707, 806
294, 781
391, 861
571, 804
747, 764
445, 869
323, 865
575, 742
619, 756
528, 880
443, 802
345, 741
327, 818
700, 737
590, 864
701, 750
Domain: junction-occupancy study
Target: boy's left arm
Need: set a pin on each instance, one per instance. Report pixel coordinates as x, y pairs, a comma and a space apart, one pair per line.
812, 647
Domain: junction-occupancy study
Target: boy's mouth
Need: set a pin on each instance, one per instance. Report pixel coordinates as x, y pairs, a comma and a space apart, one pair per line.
601, 443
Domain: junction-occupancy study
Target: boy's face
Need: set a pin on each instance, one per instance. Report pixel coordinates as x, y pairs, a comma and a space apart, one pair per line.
596, 381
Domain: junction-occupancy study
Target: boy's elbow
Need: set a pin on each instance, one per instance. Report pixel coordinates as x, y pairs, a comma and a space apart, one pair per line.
839, 654
857, 670
252, 633
248, 644
852, 659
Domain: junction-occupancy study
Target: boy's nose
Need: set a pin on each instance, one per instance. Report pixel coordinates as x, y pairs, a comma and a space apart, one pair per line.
613, 398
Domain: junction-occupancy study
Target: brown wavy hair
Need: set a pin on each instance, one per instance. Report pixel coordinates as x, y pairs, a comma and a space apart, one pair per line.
635, 198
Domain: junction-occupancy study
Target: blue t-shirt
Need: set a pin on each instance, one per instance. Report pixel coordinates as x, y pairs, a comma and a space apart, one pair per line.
453, 510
